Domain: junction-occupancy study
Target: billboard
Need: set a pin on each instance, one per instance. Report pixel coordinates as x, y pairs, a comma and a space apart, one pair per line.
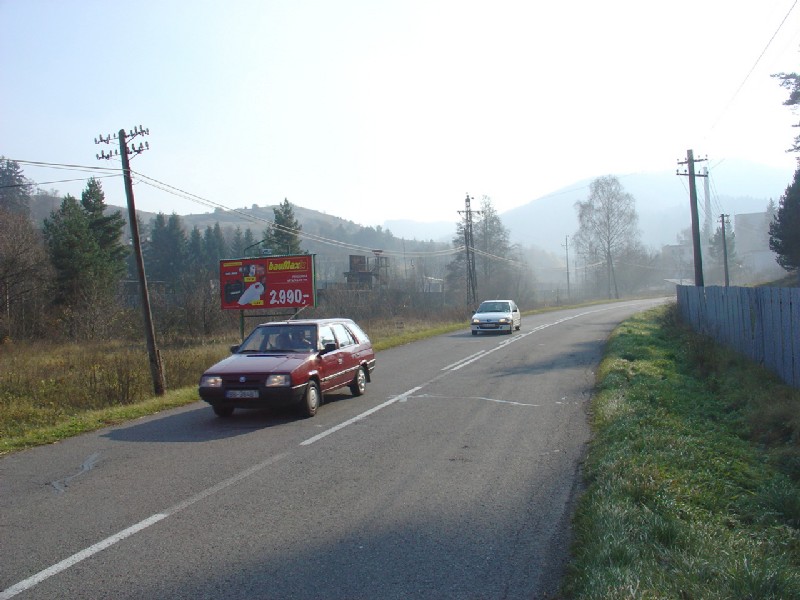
267, 282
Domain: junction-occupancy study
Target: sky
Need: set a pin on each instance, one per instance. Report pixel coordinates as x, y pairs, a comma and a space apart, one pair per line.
376, 110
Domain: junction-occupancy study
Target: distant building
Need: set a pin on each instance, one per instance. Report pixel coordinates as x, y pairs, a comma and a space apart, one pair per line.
678, 262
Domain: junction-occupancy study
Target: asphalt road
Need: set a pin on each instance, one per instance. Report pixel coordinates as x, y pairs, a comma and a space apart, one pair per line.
453, 477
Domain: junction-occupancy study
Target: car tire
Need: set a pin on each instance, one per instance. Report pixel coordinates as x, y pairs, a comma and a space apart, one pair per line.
223, 411
311, 399
474, 333
359, 385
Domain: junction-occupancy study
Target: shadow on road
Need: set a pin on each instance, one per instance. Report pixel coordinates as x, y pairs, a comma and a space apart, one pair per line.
200, 424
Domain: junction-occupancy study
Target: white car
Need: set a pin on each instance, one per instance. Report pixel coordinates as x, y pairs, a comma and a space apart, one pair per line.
496, 315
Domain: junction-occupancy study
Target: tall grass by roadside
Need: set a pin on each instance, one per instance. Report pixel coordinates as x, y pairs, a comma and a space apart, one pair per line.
693, 477
50, 391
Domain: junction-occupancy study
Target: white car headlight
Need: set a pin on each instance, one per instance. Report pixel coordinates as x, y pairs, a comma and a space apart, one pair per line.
211, 381
278, 380
475, 321
504, 320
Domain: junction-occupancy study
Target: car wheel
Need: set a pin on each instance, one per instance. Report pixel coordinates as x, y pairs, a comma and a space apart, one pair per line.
474, 332
311, 399
359, 385
223, 411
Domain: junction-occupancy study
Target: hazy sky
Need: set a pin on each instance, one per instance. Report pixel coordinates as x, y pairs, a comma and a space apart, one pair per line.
373, 110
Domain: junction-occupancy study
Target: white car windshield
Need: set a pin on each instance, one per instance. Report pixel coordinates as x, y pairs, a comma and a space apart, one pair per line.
494, 307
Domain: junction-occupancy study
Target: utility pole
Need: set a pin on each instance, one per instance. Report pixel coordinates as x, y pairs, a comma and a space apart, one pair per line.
566, 247
707, 221
698, 257
470, 252
723, 220
156, 367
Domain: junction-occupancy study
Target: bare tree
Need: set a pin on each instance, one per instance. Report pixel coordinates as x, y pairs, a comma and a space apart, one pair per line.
607, 224
24, 275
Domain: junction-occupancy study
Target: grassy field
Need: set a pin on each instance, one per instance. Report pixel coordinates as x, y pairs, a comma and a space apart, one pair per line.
693, 476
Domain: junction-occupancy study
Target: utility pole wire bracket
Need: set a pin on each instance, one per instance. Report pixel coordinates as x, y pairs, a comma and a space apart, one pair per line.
133, 150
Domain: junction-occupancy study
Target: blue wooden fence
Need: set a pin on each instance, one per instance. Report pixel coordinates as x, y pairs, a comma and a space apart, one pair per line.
761, 323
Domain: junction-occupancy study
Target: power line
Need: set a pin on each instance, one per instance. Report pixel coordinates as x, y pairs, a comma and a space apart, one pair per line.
180, 193
85, 168
753, 68
41, 183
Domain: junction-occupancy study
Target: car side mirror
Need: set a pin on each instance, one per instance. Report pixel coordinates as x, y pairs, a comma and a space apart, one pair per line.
234, 348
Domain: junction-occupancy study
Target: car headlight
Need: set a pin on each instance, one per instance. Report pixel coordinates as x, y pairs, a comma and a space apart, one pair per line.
504, 320
278, 380
211, 381
475, 321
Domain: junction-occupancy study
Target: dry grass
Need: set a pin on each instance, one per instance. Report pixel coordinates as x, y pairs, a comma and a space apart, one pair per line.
50, 391
44, 386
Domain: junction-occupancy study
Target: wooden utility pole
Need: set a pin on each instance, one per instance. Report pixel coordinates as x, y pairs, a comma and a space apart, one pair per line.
156, 367
722, 221
470, 252
566, 248
698, 256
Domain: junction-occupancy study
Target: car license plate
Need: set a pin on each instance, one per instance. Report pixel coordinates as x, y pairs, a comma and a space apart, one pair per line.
241, 394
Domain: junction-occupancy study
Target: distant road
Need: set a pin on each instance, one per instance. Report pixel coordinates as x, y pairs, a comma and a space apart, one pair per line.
453, 477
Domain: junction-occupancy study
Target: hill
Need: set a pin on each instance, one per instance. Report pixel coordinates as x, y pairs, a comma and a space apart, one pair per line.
662, 202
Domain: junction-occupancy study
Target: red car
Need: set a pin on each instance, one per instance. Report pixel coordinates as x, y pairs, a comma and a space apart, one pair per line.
290, 362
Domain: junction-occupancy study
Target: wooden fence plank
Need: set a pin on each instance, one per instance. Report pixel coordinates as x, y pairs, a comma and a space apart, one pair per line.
794, 335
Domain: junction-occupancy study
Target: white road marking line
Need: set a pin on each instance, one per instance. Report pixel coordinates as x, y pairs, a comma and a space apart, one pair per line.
478, 355
79, 556
514, 402
41, 576
363, 415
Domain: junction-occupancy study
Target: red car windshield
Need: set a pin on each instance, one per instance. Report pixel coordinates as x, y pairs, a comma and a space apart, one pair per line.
283, 338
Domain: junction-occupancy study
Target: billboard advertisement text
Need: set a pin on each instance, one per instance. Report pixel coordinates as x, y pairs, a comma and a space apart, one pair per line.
267, 282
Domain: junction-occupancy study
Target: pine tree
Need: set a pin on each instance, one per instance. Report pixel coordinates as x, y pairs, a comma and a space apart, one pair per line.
107, 229
236, 244
784, 231
249, 242
283, 235
15, 189
165, 254
74, 252
215, 247
791, 82
197, 251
